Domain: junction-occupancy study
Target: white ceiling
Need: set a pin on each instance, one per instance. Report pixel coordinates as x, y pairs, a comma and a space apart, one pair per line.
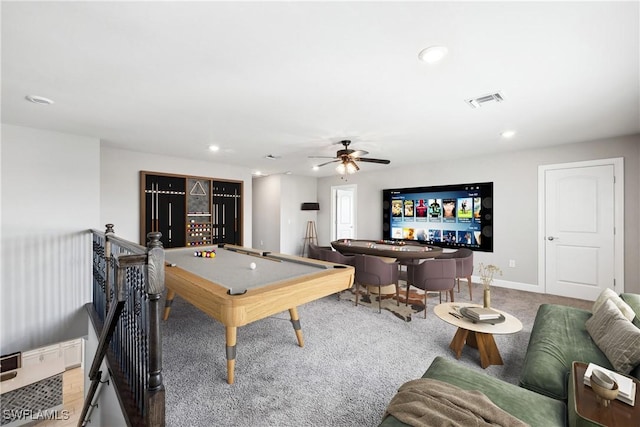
291, 79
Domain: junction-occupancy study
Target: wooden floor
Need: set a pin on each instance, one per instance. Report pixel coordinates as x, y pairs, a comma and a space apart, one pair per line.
72, 400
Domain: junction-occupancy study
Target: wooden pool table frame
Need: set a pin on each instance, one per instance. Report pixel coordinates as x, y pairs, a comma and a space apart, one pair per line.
234, 311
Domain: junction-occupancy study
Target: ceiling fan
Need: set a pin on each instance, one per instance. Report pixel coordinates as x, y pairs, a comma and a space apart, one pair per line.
347, 159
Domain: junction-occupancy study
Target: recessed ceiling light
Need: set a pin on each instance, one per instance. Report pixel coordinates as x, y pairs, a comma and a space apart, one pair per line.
315, 168
508, 134
39, 100
433, 54
288, 173
214, 148
257, 173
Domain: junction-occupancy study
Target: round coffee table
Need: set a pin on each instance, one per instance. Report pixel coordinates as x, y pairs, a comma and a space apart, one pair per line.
477, 335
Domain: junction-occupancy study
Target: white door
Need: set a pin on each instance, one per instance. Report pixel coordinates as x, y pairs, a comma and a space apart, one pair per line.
344, 213
579, 230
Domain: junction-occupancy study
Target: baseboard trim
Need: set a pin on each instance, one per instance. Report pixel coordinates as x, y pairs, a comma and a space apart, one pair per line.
519, 286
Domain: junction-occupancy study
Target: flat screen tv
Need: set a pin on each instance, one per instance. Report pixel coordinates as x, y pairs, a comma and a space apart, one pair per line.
449, 216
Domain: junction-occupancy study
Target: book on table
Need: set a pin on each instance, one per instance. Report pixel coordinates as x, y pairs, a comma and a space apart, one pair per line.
626, 386
482, 313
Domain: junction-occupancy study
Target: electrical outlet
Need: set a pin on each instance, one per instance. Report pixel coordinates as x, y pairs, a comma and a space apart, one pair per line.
512, 263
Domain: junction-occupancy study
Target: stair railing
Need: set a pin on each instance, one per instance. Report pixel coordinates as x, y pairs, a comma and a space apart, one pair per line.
128, 282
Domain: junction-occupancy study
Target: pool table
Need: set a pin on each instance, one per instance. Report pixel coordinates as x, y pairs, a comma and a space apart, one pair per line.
241, 285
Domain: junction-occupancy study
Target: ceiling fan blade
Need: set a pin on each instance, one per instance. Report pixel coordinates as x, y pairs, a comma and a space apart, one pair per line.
381, 161
321, 157
359, 153
326, 163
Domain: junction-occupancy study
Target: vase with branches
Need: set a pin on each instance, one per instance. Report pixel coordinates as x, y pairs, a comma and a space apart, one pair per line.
486, 276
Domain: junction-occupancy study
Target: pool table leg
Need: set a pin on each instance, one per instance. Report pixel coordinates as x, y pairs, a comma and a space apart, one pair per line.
231, 335
167, 304
295, 321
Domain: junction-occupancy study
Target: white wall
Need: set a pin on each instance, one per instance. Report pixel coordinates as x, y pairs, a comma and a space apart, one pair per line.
266, 209
515, 177
279, 225
50, 198
120, 180
293, 221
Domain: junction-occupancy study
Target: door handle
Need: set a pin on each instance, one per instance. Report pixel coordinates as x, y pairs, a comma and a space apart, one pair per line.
552, 238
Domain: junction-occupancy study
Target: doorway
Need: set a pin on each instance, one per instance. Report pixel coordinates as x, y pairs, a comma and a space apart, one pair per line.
343, 212
581, 228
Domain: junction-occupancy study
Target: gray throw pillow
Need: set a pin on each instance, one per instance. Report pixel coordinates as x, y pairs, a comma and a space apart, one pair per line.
616, 336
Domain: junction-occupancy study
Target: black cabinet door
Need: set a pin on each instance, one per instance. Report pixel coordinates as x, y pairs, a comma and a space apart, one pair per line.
227, 212
165, 209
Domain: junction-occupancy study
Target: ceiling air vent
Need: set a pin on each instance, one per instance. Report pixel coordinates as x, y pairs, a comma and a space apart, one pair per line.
481, 100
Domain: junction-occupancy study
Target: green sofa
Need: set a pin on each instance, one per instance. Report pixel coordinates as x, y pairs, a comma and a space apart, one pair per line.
517, 401
558, 338
543, 398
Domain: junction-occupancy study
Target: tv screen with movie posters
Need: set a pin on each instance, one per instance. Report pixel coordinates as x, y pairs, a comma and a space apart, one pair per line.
451, 216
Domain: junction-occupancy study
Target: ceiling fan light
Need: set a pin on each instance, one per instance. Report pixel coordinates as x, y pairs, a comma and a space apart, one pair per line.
351, 167
341, 168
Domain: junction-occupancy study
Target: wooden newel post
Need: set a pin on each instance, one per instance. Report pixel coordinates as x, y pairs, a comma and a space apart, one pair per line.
107, 276
155, 396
